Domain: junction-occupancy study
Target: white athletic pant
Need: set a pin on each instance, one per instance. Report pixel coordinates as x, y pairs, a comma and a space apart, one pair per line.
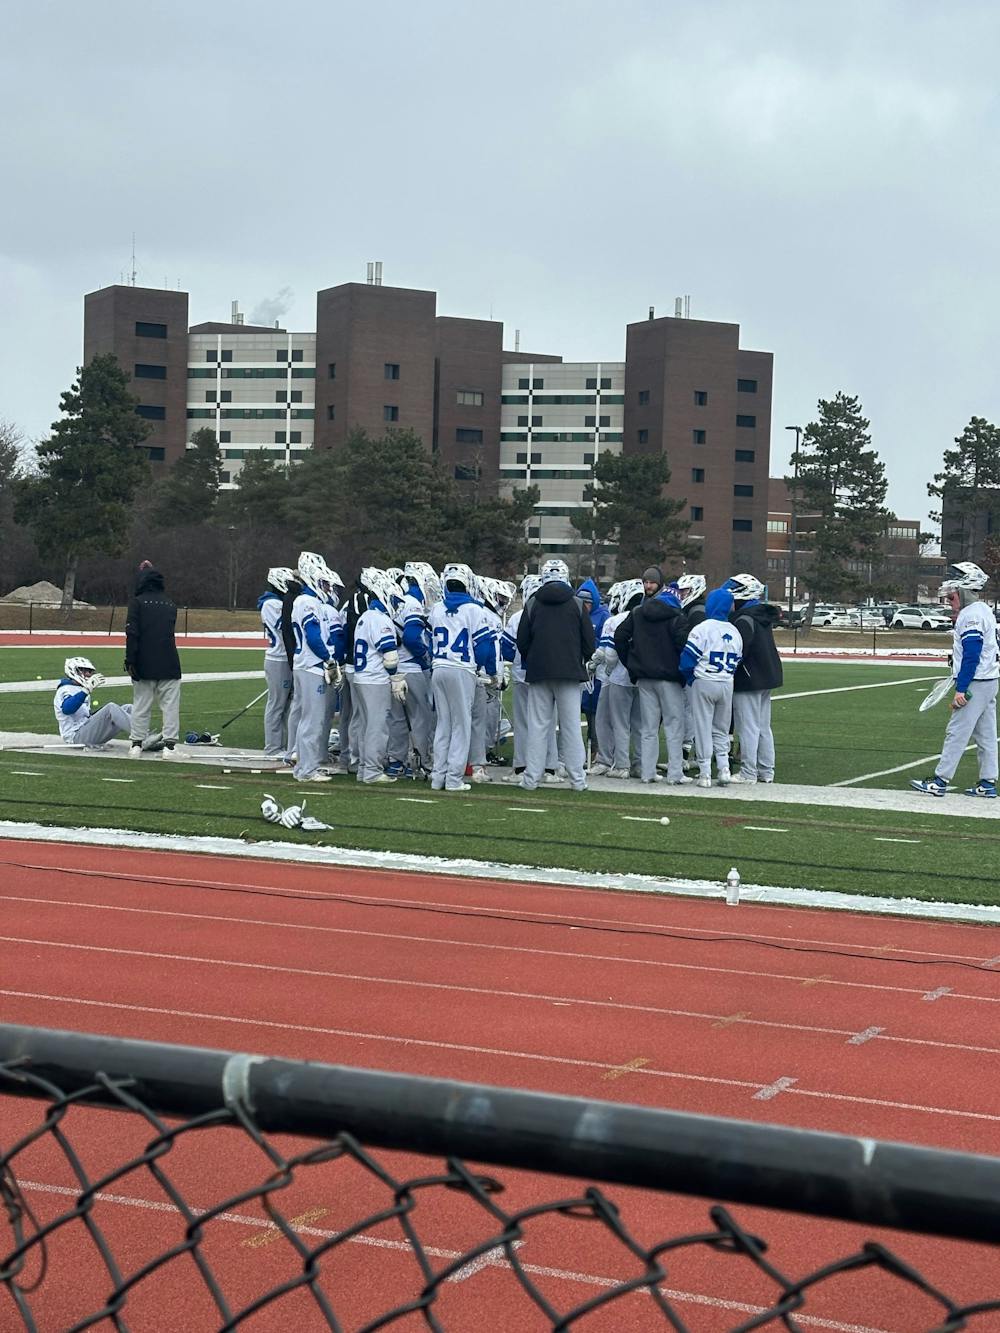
279, 701
661, 702
976, 722
418, 712
294, 713
752, 723
454, 689
549, 700
167, 694
111, 720
620, 702
477, 734
520, 724
711, 709
603, 727
344, 724
371, 704
312, 738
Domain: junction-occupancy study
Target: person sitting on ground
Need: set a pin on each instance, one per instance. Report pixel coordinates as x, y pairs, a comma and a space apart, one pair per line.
80, 722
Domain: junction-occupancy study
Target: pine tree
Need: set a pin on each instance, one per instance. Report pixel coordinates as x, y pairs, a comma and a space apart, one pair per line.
189, 492
969, 485
630, 511
841, 480
89, 472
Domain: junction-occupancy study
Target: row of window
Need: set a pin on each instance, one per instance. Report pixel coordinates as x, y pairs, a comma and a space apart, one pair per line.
701, 436
697, 515
252, 373
280, 396
254, 453
282, 355
569, 437
701, 395
243, 413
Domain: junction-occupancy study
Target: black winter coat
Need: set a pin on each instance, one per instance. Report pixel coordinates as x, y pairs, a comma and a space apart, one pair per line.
760, 668
554, 636
649, 641
287, 632
150, 648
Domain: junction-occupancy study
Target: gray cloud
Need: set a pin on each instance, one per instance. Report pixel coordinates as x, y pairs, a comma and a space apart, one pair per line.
273, 309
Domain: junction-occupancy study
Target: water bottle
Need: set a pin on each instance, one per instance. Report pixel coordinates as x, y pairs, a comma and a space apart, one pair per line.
733, 888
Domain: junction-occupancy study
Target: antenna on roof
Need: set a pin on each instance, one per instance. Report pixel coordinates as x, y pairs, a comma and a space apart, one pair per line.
132, 275
517, 340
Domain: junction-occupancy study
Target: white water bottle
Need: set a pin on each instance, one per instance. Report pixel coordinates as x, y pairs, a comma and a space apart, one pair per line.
733, 888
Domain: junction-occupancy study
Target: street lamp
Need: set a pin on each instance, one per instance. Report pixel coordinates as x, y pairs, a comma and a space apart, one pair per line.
794, 521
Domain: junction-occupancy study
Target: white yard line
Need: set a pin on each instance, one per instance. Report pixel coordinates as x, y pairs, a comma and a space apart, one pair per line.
779, 695
902, 768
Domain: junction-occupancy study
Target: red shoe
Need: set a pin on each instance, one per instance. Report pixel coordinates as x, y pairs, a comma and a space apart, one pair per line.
468, 770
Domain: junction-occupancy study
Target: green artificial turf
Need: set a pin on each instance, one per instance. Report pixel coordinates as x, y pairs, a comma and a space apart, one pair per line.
47, 663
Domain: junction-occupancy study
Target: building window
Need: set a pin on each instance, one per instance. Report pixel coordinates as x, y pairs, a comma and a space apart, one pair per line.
538, 384
743, 491
466, 472
514, 399
535, 532
297, 354
225, 355
280, 396
295, 396
643, 397
142, 371
226, 396
590, 421
156, 453
698, 474
279, 437
331, 370
745, 455
536, 421
606, 382
697, 513
469, 398
152, 412
777, 525
225, 436
746, 386
743, 525
390, 371
589, 458
520, 458
281, 355
303, 372
465, 435
513, 436
522, 421
143, 330
605, 421
536, 458
592, 383
200, 373
211, 356
701, 397
209, 395
390, 412
523, 384
643, 436
743, 420
697, 437
331, 412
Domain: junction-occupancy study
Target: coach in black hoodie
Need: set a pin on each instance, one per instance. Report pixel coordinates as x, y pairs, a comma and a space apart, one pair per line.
556, 641
151, 660
648, 643
757, 675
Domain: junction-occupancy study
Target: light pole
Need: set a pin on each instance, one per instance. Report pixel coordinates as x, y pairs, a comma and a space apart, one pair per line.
794, 524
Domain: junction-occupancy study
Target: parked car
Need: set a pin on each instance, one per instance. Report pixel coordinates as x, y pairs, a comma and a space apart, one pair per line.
825, 614
921, 617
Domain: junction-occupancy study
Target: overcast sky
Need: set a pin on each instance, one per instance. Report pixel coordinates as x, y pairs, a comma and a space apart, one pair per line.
824, 174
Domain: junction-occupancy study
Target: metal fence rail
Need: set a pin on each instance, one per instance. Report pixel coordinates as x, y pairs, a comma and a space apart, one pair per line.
183, 1092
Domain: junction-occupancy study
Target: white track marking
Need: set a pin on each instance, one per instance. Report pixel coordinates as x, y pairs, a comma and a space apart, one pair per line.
492, 1258
641, 819
117, 779
528, 809
860, 1038
757, 828
937, 994
779, 695
26, 773
915, 842
901, 768
535, 1057
202, 786
771, 1091
417, 800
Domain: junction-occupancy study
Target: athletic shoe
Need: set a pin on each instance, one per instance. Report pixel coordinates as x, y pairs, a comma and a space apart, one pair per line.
617, 773
725, 777
656, 778
524, 786
498, 759
553, 777
316, 777
740, 779
168, 752
135, 750
704, 782
561, 775
383, 779
583, 788
511, 779
766, 780
984, 787
682, 781
934, 786
479, 774
466, 786
600, 770
395, 768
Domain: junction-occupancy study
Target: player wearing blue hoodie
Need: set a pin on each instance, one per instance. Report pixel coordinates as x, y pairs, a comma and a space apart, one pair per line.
708, 663
589, 595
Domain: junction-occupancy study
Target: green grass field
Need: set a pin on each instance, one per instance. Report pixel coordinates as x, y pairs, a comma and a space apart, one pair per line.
821, 738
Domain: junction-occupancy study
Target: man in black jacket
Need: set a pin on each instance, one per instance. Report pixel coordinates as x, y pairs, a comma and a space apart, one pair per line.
757, 675
648, 643
151, 660
556, 641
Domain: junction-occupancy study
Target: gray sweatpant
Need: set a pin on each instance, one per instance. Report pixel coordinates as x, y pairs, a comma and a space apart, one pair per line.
477, 733
454, 691
711, 709
371, 705
603, 730
279, 701
752, 723
346, 722
313, 733
661, 701
621, 701
101, 726
418, 712
167, 694
521, 732
294, 713
976, 722
549, 700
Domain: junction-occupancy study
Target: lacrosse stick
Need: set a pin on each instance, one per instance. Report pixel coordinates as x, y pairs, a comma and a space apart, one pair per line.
935, 695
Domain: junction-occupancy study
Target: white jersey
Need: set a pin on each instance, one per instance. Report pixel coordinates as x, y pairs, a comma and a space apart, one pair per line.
510, 637
312, 619
70, 723
374, 635
270, 618
615, 673
457, 633
495, 623
717, 648
412, 612
977, 621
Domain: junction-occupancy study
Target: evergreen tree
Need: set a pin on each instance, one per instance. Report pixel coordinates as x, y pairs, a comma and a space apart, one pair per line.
89, 472
488, 533
969, 485
14, 541
629, 511
189, 492
842, 481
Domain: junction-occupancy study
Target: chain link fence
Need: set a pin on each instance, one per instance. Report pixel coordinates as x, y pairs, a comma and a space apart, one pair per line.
120, 1232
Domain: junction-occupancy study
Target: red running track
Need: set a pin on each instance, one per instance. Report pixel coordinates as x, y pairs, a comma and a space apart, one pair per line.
879, 1027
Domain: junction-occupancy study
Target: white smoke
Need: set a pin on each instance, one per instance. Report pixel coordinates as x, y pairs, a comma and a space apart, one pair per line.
272, 308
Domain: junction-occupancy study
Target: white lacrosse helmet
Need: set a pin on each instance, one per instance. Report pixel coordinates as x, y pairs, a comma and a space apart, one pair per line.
462, 575
280, 577
965, 577
630, 593
613, 603
744, 587
381, 585
395, 573
426, 579
317, 574
80, 670
497, 593
555, 570
688, 588
529, 586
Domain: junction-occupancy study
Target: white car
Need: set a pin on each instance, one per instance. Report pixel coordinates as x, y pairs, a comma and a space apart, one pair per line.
921, 617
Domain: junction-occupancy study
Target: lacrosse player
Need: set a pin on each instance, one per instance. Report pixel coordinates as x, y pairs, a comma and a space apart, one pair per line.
319, 649
619, 690
277, 668
976, 664
377, 678
708, 663
758, 674
78, 725
411, 723
464, 641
